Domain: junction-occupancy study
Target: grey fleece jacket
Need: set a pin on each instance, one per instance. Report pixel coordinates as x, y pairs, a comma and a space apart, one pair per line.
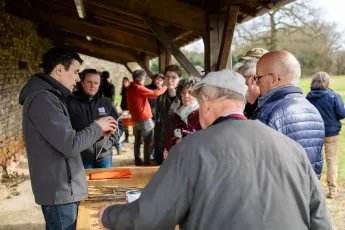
53, 147
229, 177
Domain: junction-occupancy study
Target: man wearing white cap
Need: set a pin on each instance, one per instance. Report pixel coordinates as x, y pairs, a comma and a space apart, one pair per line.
235, 174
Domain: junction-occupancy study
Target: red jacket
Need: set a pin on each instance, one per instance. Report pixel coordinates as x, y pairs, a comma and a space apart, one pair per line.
193, 126
137, 99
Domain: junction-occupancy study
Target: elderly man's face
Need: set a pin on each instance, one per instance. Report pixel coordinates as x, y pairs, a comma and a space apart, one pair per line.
263, 78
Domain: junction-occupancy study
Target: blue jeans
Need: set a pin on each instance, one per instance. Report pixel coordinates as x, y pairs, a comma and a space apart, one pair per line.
107, 163
61, 216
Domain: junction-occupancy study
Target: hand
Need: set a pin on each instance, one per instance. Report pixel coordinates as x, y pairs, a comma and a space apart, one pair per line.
178, 140
108, 124
165, 154
100, 215
253, 90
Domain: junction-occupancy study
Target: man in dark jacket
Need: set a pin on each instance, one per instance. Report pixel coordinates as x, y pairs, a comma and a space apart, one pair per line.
331, 107
218, 178
53, 146
88, 105
166, 106
106, 88
283, 107
157, 83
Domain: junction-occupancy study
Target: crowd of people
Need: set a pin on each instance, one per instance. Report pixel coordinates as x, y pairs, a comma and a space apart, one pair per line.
240, 148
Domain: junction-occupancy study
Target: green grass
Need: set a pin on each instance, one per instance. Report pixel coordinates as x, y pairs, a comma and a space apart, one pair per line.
338, 85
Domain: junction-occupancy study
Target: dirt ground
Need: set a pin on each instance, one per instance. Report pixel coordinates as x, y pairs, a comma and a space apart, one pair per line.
18, 210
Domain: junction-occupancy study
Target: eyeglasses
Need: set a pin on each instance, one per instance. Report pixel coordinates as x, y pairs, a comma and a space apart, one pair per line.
172, 78
257, 77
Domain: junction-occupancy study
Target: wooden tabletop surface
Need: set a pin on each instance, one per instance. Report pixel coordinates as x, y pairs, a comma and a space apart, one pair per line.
88, 211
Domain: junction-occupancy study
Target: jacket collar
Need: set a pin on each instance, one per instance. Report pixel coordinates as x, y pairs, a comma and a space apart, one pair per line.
63, 92
80, 94
277, 93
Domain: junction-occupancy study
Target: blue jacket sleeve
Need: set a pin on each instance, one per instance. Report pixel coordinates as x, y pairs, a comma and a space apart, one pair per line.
339, 107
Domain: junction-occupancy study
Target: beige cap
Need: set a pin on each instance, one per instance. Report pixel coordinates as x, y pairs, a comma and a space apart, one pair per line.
254, 53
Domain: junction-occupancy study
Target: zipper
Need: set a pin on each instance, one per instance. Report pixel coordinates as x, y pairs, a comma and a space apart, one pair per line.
69, 175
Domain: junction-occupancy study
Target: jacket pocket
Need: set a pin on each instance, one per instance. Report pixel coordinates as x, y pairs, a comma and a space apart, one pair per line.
69, 175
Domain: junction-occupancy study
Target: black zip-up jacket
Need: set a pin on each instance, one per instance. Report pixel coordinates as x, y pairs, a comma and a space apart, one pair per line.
83, 111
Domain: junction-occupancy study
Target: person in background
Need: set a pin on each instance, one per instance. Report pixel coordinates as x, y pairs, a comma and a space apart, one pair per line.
123, 105
219, 179
247, 68
166, 106
186, 119
283, 107
53, 147
139, 108
331, 108
106, 88
157, 83
87, 105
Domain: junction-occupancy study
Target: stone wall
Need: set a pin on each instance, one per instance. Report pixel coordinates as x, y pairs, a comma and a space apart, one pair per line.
117, 71
21, 51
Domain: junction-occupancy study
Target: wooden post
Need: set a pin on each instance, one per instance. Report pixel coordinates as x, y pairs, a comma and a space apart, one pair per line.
158, 30
164, 59
225, 59
218, 41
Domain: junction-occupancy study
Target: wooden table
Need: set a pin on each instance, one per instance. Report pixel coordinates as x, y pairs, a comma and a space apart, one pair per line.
88, 211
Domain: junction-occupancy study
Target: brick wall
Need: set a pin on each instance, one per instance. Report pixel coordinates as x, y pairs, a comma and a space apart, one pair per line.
20, 55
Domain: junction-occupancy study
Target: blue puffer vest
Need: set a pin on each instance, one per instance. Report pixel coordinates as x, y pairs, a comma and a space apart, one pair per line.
287, 111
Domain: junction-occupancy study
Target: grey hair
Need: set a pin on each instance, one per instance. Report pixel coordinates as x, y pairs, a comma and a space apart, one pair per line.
215, 93
185, 83
246, 67
292, 68
139, 75
320, 80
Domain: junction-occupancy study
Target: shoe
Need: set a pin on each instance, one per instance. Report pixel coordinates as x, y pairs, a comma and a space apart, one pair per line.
126, 140
333, 193
138, 162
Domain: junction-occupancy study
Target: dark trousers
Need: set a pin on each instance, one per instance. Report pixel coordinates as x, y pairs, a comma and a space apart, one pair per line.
61, 216
143, 130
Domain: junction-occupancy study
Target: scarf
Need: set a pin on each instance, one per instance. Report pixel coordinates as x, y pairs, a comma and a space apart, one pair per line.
184, 111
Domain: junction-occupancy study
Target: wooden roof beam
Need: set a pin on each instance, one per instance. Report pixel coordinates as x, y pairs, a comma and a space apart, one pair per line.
94, 47
174, 12
172, 47
106, 34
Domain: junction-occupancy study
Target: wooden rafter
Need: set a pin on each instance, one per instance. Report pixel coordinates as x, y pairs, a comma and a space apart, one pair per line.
174, 12
112, 53
81, 27
172, 47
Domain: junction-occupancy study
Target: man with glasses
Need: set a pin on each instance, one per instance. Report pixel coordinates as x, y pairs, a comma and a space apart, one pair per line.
137, 98
166, 106
283, 107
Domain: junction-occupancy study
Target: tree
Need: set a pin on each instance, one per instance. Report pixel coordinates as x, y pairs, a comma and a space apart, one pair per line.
288, 19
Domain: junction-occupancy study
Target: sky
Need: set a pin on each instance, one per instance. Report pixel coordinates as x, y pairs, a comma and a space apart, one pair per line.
332, 10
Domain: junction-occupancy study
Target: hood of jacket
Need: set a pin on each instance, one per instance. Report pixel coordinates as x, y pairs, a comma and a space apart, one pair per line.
43, 82
317, 93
